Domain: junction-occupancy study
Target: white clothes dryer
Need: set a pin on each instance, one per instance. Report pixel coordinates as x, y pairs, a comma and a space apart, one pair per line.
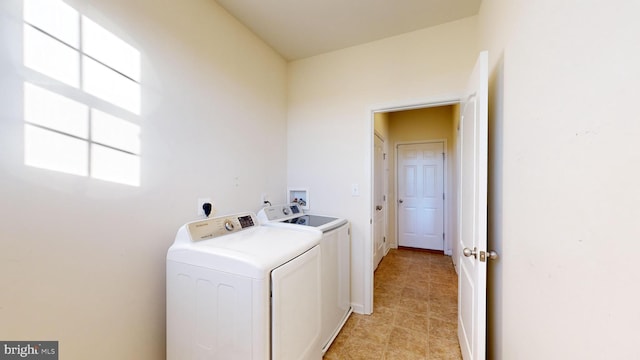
335, 249
237, 290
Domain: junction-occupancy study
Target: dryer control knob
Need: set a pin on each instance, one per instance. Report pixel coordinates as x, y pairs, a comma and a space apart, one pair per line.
228, 225
285, 210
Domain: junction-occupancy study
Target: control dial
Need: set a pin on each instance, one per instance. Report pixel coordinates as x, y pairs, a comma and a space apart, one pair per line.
228, 225
286, 211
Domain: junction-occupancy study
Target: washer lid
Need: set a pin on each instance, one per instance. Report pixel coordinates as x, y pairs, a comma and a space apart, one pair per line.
252, 252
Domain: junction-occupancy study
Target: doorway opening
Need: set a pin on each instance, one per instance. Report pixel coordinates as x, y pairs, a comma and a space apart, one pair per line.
405, 128
430, 132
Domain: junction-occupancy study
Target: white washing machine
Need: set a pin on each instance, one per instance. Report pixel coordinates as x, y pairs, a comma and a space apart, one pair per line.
237, 290
335, 249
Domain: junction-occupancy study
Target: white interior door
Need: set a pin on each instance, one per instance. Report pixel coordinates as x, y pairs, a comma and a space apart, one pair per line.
473, 214
379, 203
421, 195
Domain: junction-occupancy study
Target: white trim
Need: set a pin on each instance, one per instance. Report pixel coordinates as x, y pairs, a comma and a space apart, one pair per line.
367, 306
435, 102
359, 308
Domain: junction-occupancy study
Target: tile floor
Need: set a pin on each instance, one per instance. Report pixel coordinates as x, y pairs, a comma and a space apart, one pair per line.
415, 312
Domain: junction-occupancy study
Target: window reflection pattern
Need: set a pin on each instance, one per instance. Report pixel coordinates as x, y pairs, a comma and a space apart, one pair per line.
82, 114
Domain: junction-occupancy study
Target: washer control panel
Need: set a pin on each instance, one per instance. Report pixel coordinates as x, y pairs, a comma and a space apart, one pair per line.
222, 225
280, 212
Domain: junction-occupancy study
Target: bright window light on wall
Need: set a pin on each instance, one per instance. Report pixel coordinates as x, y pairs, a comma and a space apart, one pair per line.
117, 133
54, 151
112, 165
77, 132
50, 57
111, 86
99, 43
54, 17
56, 112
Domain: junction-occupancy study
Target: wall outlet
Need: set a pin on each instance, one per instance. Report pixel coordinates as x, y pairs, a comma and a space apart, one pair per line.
200, 211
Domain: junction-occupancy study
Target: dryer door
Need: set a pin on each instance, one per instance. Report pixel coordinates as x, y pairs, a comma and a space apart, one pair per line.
295, 308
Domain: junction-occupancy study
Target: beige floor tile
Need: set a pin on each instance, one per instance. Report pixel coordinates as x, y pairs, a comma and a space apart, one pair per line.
388, 288
444, 350
415, 291
356, 349
372, 333
443, 312
408, 341
418, 306
443, 330
415, 312
384, 300
352, 322
415, 322
383, 315
399, 354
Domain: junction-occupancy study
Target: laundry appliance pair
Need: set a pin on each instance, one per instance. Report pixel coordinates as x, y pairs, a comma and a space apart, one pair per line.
237, 289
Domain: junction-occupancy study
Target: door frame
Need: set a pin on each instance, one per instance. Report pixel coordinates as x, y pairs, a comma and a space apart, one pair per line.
451, 99
447, 245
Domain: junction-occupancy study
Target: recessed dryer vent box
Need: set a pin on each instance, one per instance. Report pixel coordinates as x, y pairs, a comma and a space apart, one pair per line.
299, 196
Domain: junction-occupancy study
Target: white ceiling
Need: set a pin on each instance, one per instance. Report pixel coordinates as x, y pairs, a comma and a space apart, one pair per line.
302, 28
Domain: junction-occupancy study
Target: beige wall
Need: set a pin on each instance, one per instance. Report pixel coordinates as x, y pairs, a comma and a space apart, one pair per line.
563, 194
83, 261
434, 123
330, 124
381, 124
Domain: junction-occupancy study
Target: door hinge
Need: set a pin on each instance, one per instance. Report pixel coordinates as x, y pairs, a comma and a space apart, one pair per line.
442, 156
443, 236
442, 196
384, 239
384, 156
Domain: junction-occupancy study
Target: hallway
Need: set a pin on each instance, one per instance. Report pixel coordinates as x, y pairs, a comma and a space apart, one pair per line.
415, 312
